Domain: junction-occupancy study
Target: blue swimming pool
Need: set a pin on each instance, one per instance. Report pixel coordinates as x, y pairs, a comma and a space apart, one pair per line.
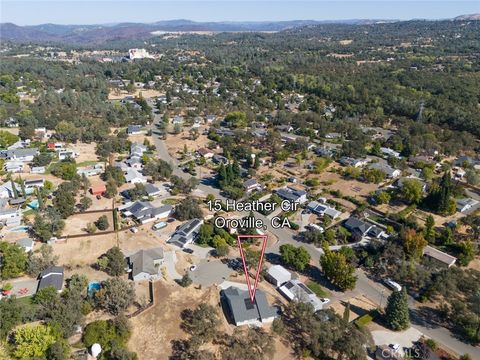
93, 287
33, 205
20, 229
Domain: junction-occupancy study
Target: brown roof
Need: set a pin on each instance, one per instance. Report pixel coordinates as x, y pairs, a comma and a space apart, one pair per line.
98, 188
439, 255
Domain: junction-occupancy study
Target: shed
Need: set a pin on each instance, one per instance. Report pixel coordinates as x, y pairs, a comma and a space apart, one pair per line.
99, 189
278, 275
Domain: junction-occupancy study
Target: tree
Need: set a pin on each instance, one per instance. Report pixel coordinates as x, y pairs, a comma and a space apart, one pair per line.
158, 169
236, 119
296, 257
411, 191
472, 177
115, 296
188, 209
429, 231
13, 313
41, 260
111, 188
441, 197
7, 139
48, 224
115, 261
59, 350
42, 159
13, 260
383, 197
252, 343
414, 243
65, 169
337, 270
85, 203
373, 175
102, 223
396, 313
33, 341
202, 322
64, 200
185, 281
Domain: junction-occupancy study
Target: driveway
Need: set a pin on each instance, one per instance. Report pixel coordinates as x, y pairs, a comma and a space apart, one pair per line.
209, 273
201, 252
29, 285
170, 260
404, 338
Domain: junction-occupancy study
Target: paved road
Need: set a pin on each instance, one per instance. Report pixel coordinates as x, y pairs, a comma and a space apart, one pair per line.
372, 290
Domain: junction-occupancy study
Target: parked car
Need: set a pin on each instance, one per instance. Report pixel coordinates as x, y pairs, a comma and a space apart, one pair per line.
193, 267
393, 285
395, 346
134, 230
188, 251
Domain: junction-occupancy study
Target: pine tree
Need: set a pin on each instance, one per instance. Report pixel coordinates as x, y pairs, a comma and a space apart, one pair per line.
444, 193
397, 316
14, 189
346, 313
22, 187
429, 231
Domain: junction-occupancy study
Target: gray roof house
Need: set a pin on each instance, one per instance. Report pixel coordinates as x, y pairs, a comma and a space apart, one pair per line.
358, 226
278, 275
145, 264
323, 209
464, 205
11, 217
186, 233
386, 169
134, 129
22, 154
26, 244
51, 277
298, 291
240, 309
291, 194
144, 211
152, 190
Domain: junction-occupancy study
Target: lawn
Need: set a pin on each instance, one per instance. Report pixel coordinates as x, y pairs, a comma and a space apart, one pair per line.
318, 289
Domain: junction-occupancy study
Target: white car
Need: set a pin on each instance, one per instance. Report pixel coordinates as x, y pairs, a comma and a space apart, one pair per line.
193, 267
395, 346
134, 230
324, 300
393, 285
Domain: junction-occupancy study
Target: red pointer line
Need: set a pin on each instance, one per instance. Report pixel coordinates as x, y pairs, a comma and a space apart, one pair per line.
259, 267
245, 268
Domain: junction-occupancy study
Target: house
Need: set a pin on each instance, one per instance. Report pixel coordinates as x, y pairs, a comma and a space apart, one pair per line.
37, 170
251, 184
144, 212
177, 120
186, 233
134, 177
26, 244
440, 257
152, 190
13, 166
293, 195
51, 277
11, 217
145, 264
219, 159
134, 162
137, 149
24, 155
386, 169
284, 128
333, 135
466, 161
134, 129
67, 154
240, 309
17, 202
278, 275
295, 290
34, 183
88, 171
210, 118
464, 205
205, 153
402, 180
348, 161
357, 226
323, 209
387, 152
99, 189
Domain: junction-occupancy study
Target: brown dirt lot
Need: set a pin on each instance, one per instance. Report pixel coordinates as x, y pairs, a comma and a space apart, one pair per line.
76, 224
334, 181
154, 329
145, 93
175, 143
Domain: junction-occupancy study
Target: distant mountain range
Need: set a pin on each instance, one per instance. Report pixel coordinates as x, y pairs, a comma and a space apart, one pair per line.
99, 34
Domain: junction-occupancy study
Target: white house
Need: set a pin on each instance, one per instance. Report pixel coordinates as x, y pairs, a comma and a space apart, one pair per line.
134, 177
278, 275
26, 244
145, 264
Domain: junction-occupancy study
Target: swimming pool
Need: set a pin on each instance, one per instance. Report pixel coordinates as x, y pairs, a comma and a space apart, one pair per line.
93, 287
20, 229
33, 205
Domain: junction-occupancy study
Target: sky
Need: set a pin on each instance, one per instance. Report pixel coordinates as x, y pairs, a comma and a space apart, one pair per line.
35, 12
